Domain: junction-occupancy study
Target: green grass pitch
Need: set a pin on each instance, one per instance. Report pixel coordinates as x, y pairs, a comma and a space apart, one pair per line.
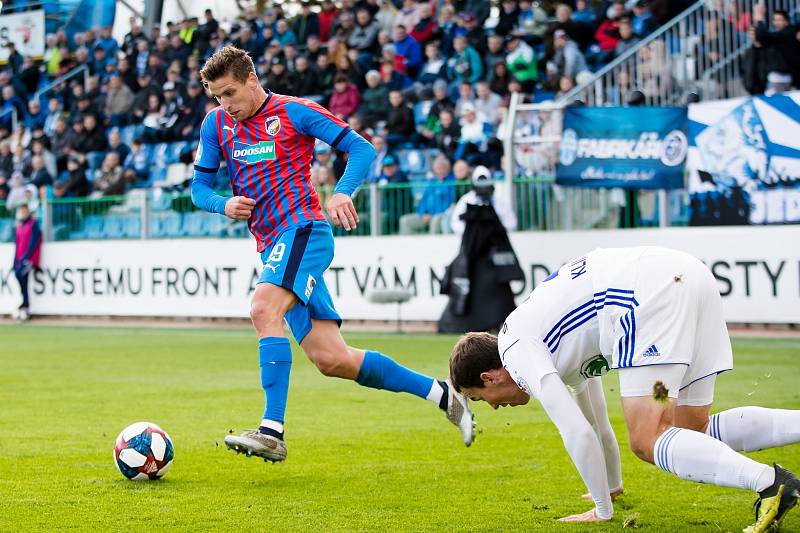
359, 460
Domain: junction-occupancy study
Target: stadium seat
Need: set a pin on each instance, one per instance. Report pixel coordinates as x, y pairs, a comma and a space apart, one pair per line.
194, 224
127, 134
6, 230
172, 225
175, 151
159, 200
413, 161
157, 175
219, 226
92, 228
122, 226
160, 155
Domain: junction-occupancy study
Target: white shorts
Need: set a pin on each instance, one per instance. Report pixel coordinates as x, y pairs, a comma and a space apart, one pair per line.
639, 381
679, 319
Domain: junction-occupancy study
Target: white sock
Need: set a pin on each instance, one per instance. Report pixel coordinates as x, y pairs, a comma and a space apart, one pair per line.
749, 429
272, 424
695, 456
436, 392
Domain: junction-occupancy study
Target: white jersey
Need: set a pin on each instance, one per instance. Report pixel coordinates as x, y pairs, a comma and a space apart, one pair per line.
617, 308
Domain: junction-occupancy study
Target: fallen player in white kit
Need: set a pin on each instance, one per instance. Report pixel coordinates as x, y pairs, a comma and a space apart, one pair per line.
655, 315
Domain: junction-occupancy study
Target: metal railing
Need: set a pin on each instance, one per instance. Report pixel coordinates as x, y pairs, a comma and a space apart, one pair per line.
82, 69
14, 118
540, 205
696, 52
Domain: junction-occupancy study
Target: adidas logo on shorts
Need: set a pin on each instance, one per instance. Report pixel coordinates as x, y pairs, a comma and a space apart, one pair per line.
652, 351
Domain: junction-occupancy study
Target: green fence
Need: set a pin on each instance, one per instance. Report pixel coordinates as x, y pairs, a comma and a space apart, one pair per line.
539, 204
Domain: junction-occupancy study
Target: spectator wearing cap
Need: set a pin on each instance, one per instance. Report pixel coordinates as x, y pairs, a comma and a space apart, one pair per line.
521, 61
437, 197
568, 59
465, 64
408, 15
642, 20
324, 157
374, 100
400, 125
395, 194
119, 101
279, 79
306, 23
407, 47
427, 28
345, 98
476, 36
482, 193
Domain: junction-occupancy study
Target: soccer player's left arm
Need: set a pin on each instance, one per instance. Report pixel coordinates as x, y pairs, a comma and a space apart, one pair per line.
592, 403
314, 120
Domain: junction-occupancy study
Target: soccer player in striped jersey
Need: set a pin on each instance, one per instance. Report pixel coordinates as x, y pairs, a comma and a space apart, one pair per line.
654, 315
267, 142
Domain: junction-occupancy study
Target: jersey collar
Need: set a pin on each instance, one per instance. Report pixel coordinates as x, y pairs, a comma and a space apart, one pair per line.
261, 107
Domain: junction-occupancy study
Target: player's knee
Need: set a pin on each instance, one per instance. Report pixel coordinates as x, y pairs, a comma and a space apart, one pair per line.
642, 447
263, 314
332, 363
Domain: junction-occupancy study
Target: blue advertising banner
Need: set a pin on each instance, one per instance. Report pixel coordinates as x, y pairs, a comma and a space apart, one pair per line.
629, 147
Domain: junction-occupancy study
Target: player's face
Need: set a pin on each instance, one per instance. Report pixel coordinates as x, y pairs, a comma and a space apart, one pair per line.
499, 390
239, 99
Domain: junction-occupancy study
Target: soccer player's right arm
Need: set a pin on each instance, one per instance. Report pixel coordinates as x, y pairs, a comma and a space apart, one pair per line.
532, 369
206, 165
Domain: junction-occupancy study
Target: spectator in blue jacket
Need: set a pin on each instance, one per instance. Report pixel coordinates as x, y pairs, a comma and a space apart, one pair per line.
439, 195
34, 118
409, 48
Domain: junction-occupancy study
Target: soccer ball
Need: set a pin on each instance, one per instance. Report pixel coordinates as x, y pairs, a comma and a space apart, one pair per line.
143, 451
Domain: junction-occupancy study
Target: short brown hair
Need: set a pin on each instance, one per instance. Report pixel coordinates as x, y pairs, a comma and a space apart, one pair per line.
228, 60
473, 354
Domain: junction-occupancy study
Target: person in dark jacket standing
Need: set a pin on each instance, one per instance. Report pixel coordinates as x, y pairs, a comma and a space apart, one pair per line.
28, 240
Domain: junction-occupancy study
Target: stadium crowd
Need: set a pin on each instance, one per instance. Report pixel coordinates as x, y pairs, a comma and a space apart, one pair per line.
432, 76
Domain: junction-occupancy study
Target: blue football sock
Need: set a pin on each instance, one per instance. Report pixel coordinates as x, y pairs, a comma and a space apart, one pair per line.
275, 359
381, 372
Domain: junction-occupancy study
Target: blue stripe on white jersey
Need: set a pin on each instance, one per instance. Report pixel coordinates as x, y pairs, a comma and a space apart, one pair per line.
587, 311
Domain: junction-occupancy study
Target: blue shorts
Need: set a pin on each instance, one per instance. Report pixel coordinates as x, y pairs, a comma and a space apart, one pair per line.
296, 261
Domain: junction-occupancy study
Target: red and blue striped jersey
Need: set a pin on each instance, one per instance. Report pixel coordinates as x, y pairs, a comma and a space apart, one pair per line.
269, 158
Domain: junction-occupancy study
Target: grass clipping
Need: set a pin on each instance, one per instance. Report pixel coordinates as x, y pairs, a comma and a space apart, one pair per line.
660, 392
